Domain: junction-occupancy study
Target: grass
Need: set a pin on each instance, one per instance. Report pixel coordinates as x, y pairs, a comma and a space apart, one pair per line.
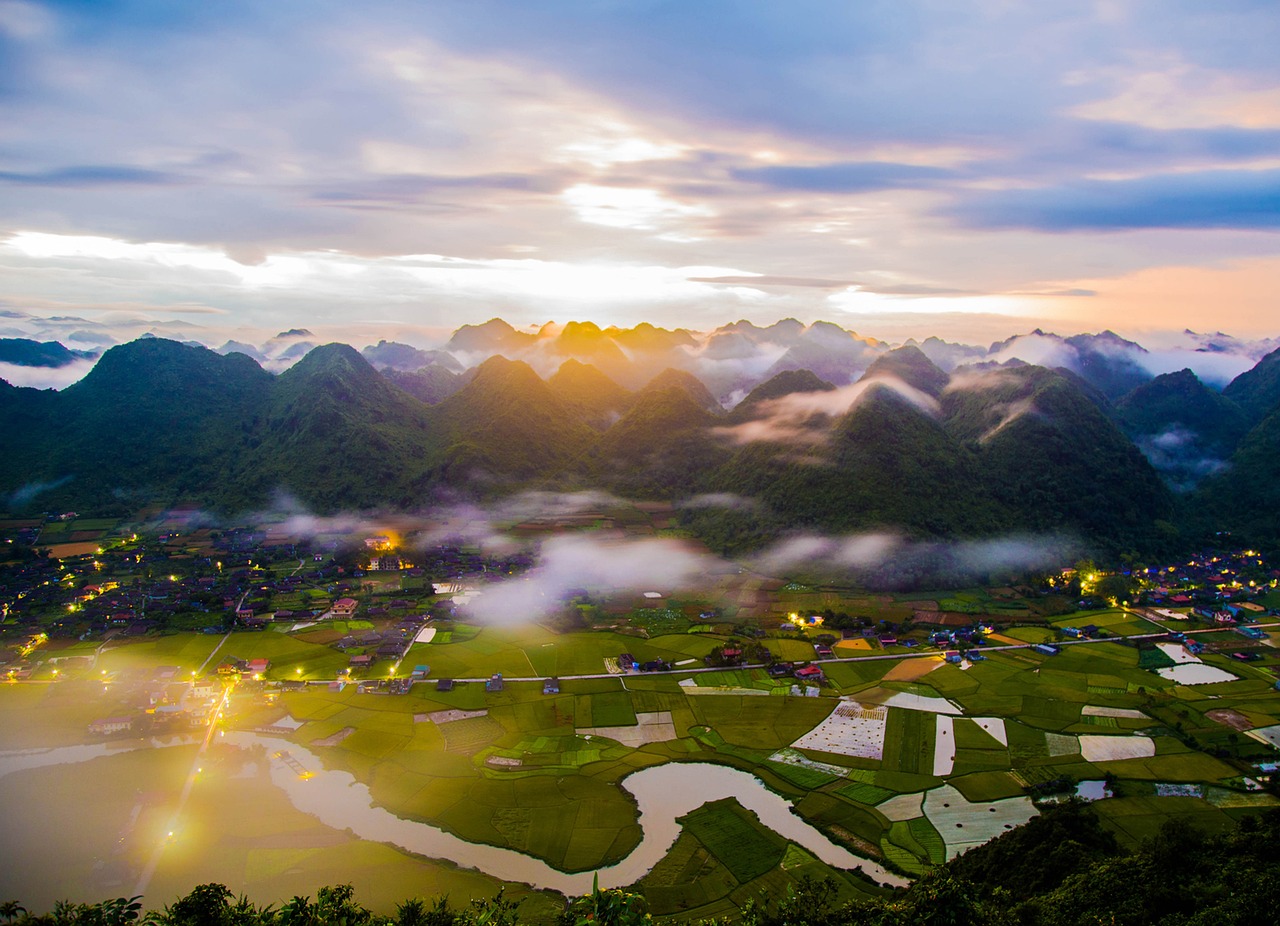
687, 877
562, 803
865, 793
908, 745
735, 838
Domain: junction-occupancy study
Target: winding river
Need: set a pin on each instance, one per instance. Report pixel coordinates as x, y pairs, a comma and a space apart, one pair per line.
663, 793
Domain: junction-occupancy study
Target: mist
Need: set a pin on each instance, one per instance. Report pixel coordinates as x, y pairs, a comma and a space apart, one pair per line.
596, 563
890, 561
806, 418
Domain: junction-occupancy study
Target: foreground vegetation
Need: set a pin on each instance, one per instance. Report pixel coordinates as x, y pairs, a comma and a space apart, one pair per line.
1061, 869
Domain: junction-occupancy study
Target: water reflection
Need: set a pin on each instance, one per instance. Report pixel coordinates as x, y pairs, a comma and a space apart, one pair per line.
662, 793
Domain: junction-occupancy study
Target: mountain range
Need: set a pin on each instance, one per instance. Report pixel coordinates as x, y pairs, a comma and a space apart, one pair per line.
985, 448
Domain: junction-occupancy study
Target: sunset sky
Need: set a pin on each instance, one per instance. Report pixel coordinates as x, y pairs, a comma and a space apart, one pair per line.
970, 169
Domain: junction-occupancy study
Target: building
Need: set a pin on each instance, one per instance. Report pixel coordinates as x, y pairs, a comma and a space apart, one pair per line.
111, 725
809, 674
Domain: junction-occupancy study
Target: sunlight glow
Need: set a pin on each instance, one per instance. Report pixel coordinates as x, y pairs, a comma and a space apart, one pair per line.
638, 208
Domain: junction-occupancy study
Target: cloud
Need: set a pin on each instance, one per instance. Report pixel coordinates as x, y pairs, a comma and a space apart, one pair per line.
1179, 455
90, 175
1235, 199
805, 418
889, 561
592, 562
853, 177
723, 500
26, 494
681, 161
968, 379
46, 377
1215, 368
1009, 412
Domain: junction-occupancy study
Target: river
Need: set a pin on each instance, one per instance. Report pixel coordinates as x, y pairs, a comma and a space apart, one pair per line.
663, 793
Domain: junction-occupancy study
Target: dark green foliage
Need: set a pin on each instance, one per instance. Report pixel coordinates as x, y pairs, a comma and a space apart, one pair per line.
1257, 391
1041, 854
660, 448
1184, 427
594, 397
1056, 462
24, 352
1245, 498
612, 907
508, 427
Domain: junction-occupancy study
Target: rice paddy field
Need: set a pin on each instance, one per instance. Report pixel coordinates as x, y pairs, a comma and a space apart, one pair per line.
905, 761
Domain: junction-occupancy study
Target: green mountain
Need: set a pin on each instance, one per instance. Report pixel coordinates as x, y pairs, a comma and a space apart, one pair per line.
884, 465
1185, 428
24, 352
1257, 391
781, 384
507, 427
152, 418
590, 394
1051, 457
1018, 448
1245, 496
910, 365
1181, 401
430, 384
337, 434
687, 383
661, 448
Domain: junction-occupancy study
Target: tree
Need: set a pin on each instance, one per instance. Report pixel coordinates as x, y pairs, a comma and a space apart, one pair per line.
611, 907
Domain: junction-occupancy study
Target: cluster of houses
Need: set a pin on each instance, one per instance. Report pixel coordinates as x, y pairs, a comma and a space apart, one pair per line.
1211, 582
161, 701
392, 643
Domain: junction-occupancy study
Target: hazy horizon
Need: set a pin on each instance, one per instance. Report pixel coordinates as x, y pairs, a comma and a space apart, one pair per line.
893, 168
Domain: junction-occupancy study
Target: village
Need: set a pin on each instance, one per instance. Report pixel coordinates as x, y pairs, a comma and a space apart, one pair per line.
905, 726
99, 584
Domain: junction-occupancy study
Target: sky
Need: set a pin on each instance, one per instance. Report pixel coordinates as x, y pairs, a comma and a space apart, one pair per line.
902, 168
